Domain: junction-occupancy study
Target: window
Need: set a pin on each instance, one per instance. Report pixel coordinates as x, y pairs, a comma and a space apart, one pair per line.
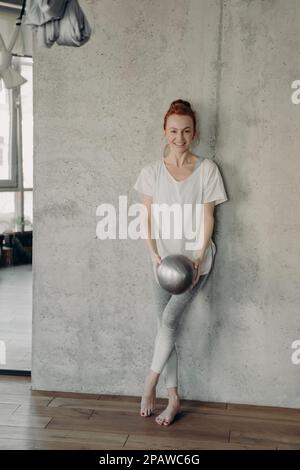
16, 151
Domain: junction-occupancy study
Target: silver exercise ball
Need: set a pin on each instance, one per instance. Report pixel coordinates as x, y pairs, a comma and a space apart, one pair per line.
175, 273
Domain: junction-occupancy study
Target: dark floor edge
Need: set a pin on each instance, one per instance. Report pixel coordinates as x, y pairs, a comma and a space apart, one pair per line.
24, 373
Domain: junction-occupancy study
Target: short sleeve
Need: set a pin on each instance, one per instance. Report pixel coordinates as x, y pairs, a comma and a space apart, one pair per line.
145, 181
213, 185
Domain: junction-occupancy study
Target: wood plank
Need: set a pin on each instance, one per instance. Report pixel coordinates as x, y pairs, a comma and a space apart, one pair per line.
25, 421
103, 440
211, 428
91, 405
31, 410
265, 412
251, 415
65, 408
126, 403
22, 388
203, 404
105, 399
20, 399
288, 447
84, 403
7, 408
15, 379
136, 442
16, 444
244, 431
163, 400
65, 394
65, 445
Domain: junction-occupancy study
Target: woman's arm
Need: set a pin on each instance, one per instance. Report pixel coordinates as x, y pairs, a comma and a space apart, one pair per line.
208, 231
208, 228
151, 243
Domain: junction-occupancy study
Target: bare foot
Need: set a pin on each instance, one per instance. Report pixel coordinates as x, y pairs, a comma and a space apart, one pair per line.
147, 404
168, 415
148, 398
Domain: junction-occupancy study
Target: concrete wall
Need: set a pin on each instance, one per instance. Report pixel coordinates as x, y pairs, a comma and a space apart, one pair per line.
98, 114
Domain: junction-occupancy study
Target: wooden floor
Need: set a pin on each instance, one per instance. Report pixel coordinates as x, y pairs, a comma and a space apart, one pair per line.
16, 315
57, 420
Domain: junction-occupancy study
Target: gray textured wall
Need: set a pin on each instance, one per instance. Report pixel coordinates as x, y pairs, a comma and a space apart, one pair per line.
98, 114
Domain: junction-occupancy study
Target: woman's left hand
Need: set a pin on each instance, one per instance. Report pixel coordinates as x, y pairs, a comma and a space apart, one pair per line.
197, 272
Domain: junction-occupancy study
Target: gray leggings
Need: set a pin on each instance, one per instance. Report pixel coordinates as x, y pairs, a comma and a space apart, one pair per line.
170, 309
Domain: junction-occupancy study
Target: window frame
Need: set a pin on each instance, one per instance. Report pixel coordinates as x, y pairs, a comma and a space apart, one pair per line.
13, 181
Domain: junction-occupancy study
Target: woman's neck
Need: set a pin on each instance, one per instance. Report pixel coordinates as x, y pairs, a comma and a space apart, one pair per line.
179, 160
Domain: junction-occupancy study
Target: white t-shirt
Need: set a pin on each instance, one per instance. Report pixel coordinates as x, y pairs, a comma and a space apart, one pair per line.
205, 184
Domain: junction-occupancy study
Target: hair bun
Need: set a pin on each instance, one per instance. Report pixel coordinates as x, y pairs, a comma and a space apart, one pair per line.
185, 103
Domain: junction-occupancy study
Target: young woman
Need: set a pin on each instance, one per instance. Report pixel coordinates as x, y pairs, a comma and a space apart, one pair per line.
184, 178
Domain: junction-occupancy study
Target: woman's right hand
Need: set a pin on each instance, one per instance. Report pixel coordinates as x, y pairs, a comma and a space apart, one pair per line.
156, 259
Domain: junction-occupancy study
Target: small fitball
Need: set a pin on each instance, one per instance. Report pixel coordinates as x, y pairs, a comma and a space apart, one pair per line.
175, 273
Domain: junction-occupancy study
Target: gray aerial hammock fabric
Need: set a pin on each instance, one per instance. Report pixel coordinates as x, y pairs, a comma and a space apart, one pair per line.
60, 21
39, 12
10, 77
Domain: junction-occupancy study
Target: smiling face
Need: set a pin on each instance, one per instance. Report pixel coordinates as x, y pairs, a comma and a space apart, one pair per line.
179, 132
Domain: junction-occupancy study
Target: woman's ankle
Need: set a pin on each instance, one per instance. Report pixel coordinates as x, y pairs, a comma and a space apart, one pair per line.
173, 397
173, 393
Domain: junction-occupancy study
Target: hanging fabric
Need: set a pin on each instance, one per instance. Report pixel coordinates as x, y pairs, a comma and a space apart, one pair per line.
60, 21
11, 77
